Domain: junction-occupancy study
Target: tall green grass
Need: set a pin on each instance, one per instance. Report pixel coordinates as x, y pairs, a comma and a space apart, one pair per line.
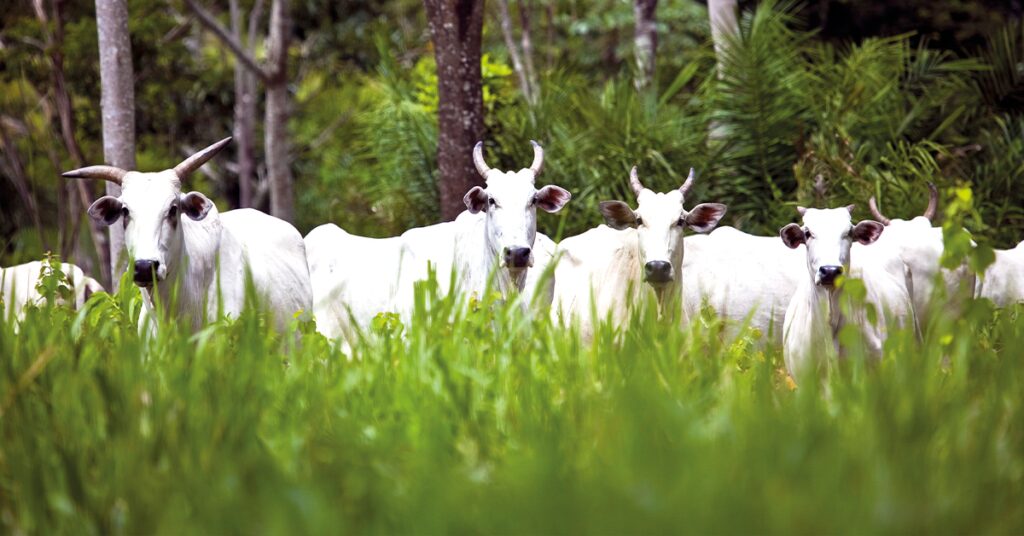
478, 418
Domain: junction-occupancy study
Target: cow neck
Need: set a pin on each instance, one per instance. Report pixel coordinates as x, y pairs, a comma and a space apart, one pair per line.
623, 272
196, 270
672, 294
825, 315
476, 264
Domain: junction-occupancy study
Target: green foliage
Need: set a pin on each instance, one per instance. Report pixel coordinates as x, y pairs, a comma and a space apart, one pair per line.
757, 110
480, 419
959, 247
592, 137
883, 116
497, 86
53, 283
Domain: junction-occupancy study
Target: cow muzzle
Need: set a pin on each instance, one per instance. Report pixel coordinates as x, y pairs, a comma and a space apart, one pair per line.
517, 258
658, 272
827, 275
146, 272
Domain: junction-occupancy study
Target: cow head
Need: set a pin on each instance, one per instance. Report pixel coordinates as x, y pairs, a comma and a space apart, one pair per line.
150, 208
510, 201
829, 234
659, 220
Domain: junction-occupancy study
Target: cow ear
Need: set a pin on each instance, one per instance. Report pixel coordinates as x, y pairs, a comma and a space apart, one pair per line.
793, 235
552, 198
867, 231
106, 210
705, 216
476, 200
195, 205
618, 215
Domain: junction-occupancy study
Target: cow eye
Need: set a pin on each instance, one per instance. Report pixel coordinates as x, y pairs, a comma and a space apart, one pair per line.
681, 221
639, 221
808, 234
491, 202
173, 212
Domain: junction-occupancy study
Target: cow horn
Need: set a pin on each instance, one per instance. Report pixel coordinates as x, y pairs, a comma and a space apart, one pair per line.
538, 158
634, 181
874, 211
933, 201
192, 163
685, 188
478, 159
107, 173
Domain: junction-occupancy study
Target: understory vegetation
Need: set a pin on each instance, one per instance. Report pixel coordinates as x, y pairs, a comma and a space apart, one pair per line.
882, 116
479, 418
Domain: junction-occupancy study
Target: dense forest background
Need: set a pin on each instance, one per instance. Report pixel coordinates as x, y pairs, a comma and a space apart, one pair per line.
873, 99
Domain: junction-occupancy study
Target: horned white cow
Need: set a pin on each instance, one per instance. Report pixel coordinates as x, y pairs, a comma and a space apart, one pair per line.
813, 317
355, 277
920, 246
181, 237
1003, 281
18, 284
605, 269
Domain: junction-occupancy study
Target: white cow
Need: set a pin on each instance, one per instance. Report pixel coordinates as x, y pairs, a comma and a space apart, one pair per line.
1003, 281
603, 270
18, 285
355, 277
745, 279
813, 317
177, 237
921, 246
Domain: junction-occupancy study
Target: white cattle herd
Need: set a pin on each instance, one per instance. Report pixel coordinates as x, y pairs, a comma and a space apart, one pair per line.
784, 286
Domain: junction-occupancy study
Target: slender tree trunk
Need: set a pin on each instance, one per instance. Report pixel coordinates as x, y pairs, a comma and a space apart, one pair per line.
526, 38
245, 114
277, 112
275, 122
645, 39
513, 50
522, 60
117, 101
549, 23
456, 27
724, 24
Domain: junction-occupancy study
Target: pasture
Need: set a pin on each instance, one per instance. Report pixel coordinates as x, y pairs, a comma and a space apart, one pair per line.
322, 328
476, 418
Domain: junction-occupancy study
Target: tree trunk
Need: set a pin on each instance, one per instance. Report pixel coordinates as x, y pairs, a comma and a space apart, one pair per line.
456, 27
549, 23
525, 7
117, 102
724, 24
276, 135
522, 61
275, 122
645, 39
513, 50
245, 114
